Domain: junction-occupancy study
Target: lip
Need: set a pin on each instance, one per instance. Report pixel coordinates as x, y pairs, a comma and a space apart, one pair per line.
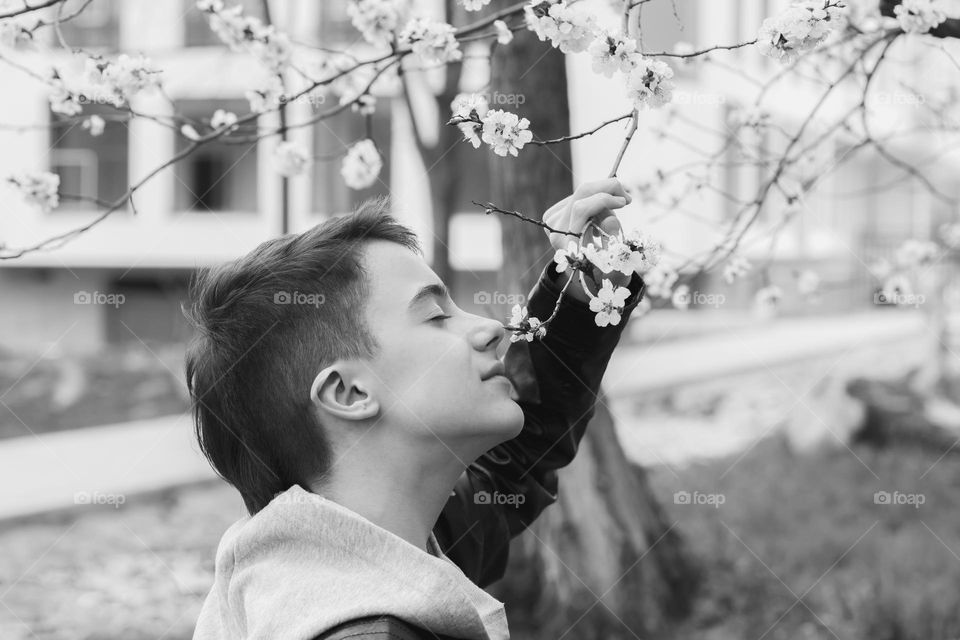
496, 371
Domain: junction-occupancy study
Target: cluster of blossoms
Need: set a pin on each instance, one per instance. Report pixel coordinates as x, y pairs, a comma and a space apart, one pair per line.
802, 27
362, 164
735, 268
567, 28
118, 80
570, 30
291, 159
95, 125
525, 326
433, 41
919, 16
247, 33
38, 189
377, 20
109, 81
350, 82
505, 132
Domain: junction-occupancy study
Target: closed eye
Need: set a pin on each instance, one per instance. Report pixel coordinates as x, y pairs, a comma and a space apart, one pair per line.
440, 318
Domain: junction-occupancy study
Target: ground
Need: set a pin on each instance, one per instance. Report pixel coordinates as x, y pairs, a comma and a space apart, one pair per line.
790, 526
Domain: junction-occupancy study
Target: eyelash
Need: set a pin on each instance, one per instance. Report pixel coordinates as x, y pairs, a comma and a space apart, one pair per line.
439, 318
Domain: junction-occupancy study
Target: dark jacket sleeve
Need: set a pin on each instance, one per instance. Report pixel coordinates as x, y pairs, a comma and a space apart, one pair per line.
557, 380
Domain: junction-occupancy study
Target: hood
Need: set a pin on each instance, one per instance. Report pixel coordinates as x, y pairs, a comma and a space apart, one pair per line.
305, 564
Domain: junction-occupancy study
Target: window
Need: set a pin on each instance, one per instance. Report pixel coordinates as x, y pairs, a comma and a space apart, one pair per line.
90, 168
97, 26
218, 176
197, 28
330, 136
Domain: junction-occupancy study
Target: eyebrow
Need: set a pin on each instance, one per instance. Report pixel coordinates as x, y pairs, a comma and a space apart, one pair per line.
438, 290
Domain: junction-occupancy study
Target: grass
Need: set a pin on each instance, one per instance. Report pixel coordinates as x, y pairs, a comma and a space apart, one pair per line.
791, 527
800, 549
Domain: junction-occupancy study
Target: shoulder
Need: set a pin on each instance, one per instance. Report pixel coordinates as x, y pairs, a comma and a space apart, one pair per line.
383, 627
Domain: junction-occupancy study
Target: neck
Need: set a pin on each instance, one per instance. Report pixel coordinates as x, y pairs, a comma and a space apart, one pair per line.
404, 499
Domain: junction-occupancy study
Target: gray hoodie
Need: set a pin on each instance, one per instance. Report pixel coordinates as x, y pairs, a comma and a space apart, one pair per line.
304, 564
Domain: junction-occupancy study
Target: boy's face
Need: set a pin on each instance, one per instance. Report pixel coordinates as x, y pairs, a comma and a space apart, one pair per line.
430, 372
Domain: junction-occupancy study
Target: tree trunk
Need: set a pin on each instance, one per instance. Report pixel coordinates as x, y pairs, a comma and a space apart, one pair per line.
603, 562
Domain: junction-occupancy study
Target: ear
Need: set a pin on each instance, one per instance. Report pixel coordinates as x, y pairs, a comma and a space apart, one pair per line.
342, 395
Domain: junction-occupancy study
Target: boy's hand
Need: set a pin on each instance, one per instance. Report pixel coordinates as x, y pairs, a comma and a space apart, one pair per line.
594, 200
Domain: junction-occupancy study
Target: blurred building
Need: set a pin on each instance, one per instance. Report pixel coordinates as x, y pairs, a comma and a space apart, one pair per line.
223, 200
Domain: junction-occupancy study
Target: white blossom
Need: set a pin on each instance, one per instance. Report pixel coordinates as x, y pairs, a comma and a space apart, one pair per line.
505, 132
919, 16
116, 81
611, 53
569, 29
914, 253
95, 125
248, 33
223, 119
649, 84
659, 281
38, 189
470, 107
433, 41
767, 299
802, 27
527, 327
565, 258
608, 304
504, 34
62, 99
362, 164
377, 20
266, 98
291, 159
474, 5
189, 132
645, 252
735, 267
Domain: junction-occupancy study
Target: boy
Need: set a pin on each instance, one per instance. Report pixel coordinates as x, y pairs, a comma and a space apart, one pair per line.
384, 452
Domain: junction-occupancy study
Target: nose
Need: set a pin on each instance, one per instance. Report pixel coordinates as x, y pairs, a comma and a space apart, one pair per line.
488, 334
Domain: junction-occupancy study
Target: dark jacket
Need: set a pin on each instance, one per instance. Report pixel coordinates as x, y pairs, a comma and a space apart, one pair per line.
557, 379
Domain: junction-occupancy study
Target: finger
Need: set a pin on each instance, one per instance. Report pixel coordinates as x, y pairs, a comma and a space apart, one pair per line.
612, 186
553, 216
583, 210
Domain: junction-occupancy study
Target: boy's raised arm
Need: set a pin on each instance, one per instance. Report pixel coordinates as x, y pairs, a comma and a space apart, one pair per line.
557, 380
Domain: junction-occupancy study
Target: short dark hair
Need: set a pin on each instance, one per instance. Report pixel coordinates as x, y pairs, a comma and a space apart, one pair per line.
256, 350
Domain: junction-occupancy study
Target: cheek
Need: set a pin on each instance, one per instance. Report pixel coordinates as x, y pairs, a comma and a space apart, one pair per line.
429, 367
